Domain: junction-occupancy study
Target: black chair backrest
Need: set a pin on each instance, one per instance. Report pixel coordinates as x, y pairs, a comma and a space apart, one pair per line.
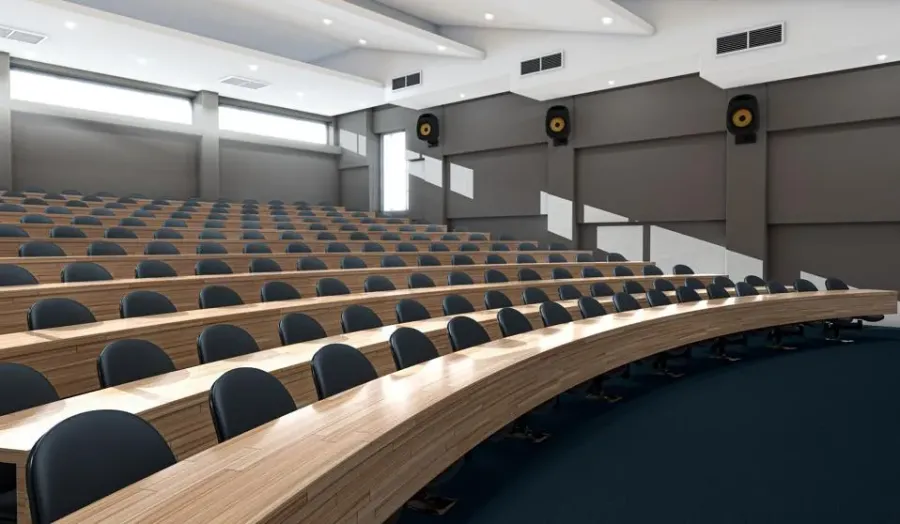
835, 284
615, 257
553, 314
438, 247
392, 261
208, 234
167, 233
154, 269
252, 235
525, 258
160, 248
591, 272
428, 260
465, 332
497, 246
456, 305
88, 456
22, 387
264, 265
466, 246
755, 281
556, 258
681, 269
714, 291
257, 247
744, 289
801, 285
461, 260
686, 294
329, 287
458, 278
372, 247
656, 298
775, 287
376, 283
651, 270
406, 247
86, 220
409, 310
246, 398
601, 289
494, 258
13, 275
311, 264
694, 283
84, 272
533, 295
36, 219
590, 308
560, 273
339, 367
67, 232
101, 248
297, 247
359, 318
723, 281
419, 280
219, 296
622, 271
223, 341
277, 291
512, 322
633, 287
527, 274
128, 360
120, 232
493, 276
410, 347
40, 248
212, 267
56, 312
661, 284
352, 262
494, 299
143, 303
294, 328
569, 292
625, 302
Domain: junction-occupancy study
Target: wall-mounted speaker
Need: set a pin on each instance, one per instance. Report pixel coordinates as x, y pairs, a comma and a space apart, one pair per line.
742, 119
428, 129
558, 125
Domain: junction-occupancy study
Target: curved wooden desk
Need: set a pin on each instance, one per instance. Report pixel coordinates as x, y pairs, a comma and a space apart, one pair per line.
198, 224
102, 298
358, 456
173, 204
67, 356
233, 220
47, 269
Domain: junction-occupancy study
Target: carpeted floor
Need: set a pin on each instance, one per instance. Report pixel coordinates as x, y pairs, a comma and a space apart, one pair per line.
810, 436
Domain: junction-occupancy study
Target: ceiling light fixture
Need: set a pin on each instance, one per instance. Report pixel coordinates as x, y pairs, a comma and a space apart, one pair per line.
612, 82
299, 93
606, 20
462, 95
327, 21
70, 24
253, 67
881, 58
362, 41
489, 16
442, 48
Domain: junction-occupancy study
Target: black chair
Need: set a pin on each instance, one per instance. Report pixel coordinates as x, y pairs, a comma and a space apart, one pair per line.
10, 230
651, 270
493, 276
132, 222
461, 260
329, 287
591, 272
458, 278
569, 292
128, 360
723, 281
681, 269
84, 272
694, 283
661, 284
615, 257
277, 291
246, 398
833, 327
154, 269
36, 219
409, 310
527, 246
264, 265
34, 201
288, 232
257, 248
376, 283
428, 261
208, 234
716, 291
356, 235
685, 294
311, 264
466, 246
120, 232
144, 303
215, 224
743, 289
296, 328
339, 367
512, 322
40, 248
456, 305
297, 247
212, 267
622, 271
160, 248
359, 318
528, 275
86, 220
494, 259
801, 285
449, 237
525, 259
775, 287
324, 235
477, 237
497, 246
252, 235
389, 236
633, 287
66, 232
554, 314
219, 296
76, 203
12, 208
337, 247
601, 289
533, 295
57, 312
21, 388
13, 275
372, 247
249, 224
625, 302
657, 298
406, 247
465, 332
351, 262
102, 248
411, 347
560, 273
494, 299
223, 341
64, 465
419, 281
590, 308
556, 258
755, 281
392, 261
167, 234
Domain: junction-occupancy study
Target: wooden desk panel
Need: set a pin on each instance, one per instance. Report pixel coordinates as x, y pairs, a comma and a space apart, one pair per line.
68, 357
173, 203
47, 269
234, 211
348, 458
102, 298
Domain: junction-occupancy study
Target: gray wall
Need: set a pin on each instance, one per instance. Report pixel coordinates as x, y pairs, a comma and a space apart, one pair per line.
355, 188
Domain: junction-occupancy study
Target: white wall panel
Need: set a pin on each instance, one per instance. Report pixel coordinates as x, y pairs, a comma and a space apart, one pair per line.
668, 248
462, 180
627, 240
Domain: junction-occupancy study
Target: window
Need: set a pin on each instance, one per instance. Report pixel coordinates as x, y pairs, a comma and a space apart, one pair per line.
394, 173
267, 124
81, 94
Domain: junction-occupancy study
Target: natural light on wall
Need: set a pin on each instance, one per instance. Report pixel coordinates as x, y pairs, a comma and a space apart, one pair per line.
394, 173
276, 126
90, 96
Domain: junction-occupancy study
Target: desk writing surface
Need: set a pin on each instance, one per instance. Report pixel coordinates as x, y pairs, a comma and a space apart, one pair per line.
347, 458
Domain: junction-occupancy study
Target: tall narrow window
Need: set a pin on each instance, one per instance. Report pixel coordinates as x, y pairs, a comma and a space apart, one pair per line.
394, 173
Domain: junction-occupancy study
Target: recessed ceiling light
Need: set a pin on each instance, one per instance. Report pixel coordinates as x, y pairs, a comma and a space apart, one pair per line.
489, 16
442, 48
612, 82
253, 67
881, 58
606, 20
327, 21
299, 93
362, 41
70, 24
142, 61
462, 95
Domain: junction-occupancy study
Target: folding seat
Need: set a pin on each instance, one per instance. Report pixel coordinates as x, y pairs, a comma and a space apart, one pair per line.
296, 328
51, 313
219, 296
84, 272
143, 303
154, 269
223, 341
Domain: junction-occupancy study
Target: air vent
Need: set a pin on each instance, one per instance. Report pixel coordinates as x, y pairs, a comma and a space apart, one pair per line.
245, 83
544, 63
410, 80
751, 39
26, 37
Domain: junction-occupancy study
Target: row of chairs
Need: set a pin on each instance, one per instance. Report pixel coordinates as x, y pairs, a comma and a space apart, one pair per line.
213, 220
130, 199
149, 211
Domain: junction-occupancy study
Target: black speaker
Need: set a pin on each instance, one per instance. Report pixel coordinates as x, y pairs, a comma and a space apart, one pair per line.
428, 128
742, 119
558, 125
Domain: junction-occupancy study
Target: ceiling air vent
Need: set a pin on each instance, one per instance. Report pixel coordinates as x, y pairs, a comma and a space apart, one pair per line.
751, 39
245, 83
402, 82
26, 37
544, 63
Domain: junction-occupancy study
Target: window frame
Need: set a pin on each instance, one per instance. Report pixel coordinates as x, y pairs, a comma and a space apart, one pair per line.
285, 116
384, 179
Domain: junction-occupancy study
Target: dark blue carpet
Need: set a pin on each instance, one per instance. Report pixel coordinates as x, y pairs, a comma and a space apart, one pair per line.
811, 436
